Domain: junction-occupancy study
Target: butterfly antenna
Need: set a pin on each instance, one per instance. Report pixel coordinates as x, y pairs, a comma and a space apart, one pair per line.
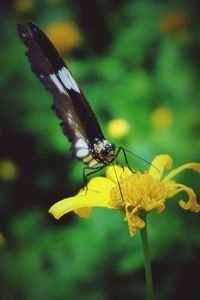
139, 157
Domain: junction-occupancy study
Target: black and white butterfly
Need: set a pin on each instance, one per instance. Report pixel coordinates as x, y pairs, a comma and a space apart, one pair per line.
78, 121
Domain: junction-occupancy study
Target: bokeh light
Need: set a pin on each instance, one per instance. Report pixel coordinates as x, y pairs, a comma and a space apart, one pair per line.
162, 118
64, 35
24, 6
8, 170
118, 128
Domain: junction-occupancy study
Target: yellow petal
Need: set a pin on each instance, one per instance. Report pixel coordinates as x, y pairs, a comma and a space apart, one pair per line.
160, 208
191, 166
99, 184
134, 222
83, 212
97, 194
159, 164
192, 203
116, 172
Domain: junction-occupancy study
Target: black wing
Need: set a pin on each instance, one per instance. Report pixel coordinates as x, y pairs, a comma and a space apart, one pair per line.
78, 121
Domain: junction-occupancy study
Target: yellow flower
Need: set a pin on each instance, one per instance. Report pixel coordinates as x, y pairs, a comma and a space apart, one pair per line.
161, 118
64, 35
135, 193
118, 128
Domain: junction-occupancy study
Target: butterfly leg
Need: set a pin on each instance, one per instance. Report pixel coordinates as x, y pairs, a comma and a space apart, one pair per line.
85, 176
125, 157
118, 163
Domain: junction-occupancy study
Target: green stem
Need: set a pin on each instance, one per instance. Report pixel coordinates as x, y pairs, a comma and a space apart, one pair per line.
147, 261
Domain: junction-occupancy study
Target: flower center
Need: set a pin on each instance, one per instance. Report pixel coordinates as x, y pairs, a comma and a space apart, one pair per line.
135, 193
138, 191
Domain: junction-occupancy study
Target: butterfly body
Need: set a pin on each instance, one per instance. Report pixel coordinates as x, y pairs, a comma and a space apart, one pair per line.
78, 121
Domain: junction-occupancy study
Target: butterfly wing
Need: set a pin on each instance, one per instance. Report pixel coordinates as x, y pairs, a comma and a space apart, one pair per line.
78, 121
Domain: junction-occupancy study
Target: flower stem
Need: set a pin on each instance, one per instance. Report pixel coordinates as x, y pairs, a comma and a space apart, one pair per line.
147, 261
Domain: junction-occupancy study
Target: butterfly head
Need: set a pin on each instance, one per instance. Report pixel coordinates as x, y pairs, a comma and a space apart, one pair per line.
104, 152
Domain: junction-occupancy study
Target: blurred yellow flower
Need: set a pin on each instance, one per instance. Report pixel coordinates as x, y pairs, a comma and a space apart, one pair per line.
2, 240
174, 22
8, 170
161, 118
118, 128
23, 6
135, 193
64, 35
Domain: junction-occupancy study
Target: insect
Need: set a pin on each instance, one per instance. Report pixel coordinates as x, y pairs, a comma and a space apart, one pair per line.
78, 121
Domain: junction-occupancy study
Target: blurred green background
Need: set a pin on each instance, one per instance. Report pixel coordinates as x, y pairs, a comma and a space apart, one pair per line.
135, 60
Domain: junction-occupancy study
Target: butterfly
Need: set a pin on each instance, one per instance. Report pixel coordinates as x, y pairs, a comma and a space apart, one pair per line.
78, 120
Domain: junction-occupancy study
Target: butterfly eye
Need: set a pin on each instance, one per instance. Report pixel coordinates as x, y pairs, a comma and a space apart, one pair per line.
104, 151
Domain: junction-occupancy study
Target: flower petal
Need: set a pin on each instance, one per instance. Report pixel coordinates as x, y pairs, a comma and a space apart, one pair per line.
134, 222
114, 173
96, 194
160, 208
100, 184
159, 164
191, 204
191, 166
83, 212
